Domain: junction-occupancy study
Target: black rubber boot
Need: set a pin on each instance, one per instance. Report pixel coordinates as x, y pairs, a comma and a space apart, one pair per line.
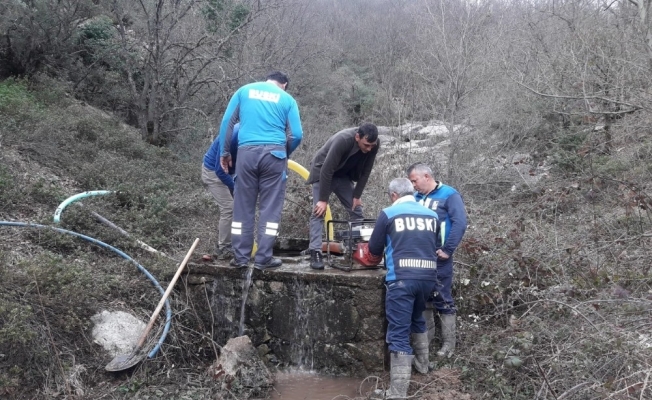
316, 259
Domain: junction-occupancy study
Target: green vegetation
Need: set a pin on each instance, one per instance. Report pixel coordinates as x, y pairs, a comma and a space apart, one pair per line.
551, 148
15, 98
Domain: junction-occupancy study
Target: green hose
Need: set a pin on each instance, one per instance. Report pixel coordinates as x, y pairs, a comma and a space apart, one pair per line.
79, 196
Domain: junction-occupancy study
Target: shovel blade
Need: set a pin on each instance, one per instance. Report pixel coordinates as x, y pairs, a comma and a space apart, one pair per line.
122, 362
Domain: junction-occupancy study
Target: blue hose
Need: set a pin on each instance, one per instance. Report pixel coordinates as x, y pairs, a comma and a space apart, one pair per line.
168, 309
79, 196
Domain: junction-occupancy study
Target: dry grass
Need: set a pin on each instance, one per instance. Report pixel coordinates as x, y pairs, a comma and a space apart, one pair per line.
553, 278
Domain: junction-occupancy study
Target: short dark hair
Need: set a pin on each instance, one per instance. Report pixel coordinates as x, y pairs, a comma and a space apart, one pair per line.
368, 131
279, 77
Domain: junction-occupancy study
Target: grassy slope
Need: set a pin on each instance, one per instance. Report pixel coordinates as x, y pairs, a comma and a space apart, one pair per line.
51, 284
554, 275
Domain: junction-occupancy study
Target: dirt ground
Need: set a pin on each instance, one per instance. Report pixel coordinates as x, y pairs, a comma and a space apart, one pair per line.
441, 384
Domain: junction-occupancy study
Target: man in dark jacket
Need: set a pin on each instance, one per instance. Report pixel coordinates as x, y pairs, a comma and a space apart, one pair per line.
346, 157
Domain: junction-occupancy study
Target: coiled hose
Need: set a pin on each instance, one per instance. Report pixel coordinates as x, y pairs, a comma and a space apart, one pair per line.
168, 309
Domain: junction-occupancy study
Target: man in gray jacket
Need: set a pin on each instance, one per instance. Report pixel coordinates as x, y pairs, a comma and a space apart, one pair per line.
346, 157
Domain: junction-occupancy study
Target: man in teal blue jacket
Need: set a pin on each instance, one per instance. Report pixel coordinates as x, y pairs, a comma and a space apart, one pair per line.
266, 113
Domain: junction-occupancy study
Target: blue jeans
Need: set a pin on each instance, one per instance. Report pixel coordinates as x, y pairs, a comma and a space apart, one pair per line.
405, 302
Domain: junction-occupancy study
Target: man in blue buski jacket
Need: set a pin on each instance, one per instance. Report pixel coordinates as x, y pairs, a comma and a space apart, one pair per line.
220, 184
407, 232
448, 205
266, 113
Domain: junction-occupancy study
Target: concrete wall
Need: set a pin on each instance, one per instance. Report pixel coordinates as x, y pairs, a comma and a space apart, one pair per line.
327, 321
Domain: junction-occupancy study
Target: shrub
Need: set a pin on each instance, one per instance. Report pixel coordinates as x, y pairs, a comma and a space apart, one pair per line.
15, 98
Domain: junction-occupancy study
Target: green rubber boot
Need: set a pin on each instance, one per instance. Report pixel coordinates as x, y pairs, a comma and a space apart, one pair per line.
399, 375
421, 347
448, 335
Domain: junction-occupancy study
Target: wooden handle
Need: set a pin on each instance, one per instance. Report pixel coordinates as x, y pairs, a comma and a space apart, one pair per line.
143, 337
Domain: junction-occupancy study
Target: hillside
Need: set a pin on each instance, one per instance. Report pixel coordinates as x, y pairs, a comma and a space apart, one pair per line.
52, 147
553, 278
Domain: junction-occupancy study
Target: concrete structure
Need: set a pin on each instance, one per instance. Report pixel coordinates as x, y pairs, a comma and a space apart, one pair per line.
327, 321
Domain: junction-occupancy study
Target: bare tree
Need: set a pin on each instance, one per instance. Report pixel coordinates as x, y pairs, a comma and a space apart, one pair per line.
645, 23
176, 52
452, 61
582, 59
38, 35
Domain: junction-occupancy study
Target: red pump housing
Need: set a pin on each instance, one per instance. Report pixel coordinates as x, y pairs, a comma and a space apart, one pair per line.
362, 256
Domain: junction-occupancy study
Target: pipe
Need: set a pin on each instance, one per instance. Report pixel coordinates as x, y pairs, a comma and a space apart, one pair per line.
333, 247
79, 196
68, 201
299, 169
141, 244
168, 309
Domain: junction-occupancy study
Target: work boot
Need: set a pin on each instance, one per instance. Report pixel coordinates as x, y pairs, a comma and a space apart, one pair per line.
236, 264
273, 263
316, 259
448, 335
429, 316
421, 347
399, 375
225, 253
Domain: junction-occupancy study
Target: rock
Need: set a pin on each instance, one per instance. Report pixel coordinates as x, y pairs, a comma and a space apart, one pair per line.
434, 130
386, 140
240, 370
263, 349
411, 131
385, 130
116, 331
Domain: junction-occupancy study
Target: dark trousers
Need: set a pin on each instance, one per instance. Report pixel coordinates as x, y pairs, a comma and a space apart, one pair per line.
343, 189
261, 174
405, 302
443, 301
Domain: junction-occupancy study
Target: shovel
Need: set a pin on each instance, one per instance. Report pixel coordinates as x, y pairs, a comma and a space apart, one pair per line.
125, 361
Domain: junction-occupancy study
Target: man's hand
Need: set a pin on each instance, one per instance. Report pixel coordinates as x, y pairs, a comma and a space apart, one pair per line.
356, 203
442, 254
225, 163
320, 208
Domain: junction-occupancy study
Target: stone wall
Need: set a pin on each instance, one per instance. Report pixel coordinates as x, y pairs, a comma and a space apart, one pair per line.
328, 321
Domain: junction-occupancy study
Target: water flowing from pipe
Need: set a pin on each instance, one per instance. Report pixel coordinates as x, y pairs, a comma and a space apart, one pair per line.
245, 293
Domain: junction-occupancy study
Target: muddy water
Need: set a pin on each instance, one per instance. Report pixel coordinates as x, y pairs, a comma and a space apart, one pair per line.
307, 386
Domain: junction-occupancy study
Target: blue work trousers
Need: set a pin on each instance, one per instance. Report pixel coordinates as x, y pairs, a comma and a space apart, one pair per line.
405, 302
261, 174
443, 300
